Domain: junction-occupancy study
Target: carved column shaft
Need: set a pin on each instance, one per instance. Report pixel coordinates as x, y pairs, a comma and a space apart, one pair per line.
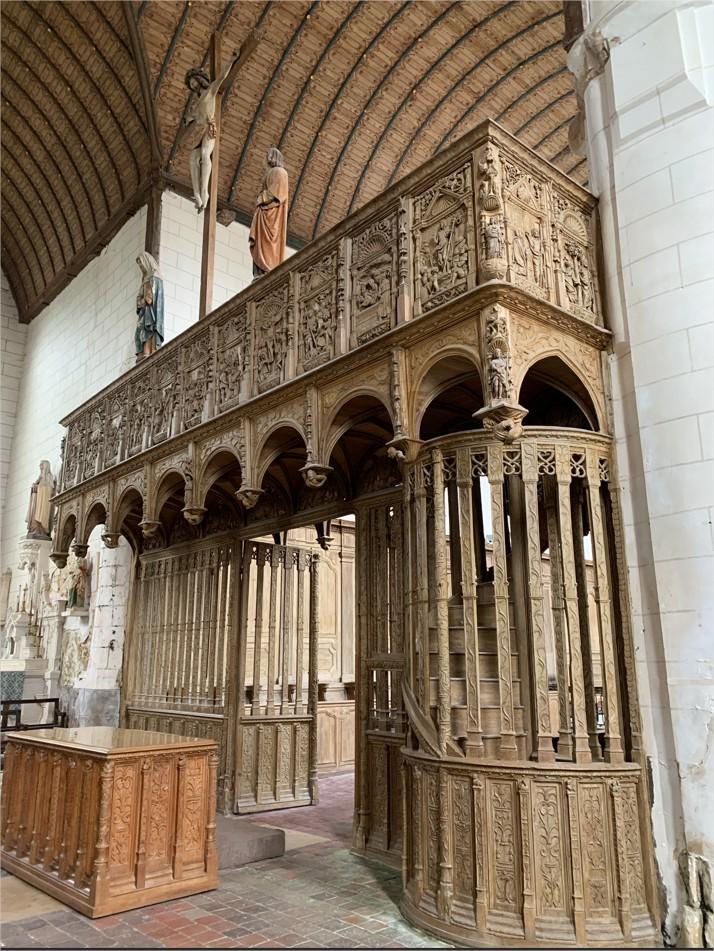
565, 734
585, 637
314, 663
286, 626
422, 584
613, 742
500, 593
299, 633
272, 615
441, 598
539, 670
581, 748
474, 741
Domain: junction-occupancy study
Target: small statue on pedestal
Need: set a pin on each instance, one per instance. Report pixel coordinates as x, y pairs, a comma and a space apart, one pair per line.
39, 509
149, 308
269, 228
77, 584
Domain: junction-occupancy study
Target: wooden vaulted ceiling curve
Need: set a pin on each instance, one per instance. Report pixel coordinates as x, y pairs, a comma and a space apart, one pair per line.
355, 94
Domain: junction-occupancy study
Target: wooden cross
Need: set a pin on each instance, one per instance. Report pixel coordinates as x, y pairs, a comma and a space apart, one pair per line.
208, 250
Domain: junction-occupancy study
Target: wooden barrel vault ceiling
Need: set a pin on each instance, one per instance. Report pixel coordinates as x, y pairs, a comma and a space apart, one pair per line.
355, 94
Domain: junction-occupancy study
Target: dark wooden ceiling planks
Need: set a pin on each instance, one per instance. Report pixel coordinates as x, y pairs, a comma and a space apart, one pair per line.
355, 94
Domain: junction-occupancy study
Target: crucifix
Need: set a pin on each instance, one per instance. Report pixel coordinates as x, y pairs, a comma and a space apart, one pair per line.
203, 125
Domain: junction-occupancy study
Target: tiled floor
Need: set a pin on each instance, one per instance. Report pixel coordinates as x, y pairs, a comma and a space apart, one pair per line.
318, 895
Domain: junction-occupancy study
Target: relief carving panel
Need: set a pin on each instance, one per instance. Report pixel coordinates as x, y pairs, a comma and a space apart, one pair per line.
372, 274
444, 240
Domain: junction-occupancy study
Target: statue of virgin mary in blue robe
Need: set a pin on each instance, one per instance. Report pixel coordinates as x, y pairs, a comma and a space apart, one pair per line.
149, 308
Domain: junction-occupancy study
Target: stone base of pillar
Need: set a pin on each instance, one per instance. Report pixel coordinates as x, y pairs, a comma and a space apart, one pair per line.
87, 707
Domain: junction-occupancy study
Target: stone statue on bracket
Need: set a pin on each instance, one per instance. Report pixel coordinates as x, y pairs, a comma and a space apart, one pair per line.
269, 228
149, 333
39, 510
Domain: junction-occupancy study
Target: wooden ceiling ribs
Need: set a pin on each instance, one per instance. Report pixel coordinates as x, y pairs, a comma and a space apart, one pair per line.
398, 13
33, 189
451, 92
99, 180
172, 46
48, 127
374, 97
355, 94
89, 87
313, 69
407, 100
39, 180
265, 96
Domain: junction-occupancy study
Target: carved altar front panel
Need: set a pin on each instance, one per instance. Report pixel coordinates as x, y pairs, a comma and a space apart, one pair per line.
108, 820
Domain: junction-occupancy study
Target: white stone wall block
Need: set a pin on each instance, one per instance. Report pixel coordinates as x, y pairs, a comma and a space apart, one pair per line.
663, 358
652, 275
684, 535
678, 438
697, 259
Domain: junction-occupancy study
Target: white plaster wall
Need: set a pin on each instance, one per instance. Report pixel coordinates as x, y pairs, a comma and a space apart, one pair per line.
180, 259
651, 131
12, 355
85, 339
75, 346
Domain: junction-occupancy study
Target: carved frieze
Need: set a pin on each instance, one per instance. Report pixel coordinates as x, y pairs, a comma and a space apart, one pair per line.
271, 338
318, 317
444, 240
116, 424
139, 413
372, 274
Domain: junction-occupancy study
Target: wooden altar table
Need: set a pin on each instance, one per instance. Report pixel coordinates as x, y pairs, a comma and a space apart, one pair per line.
106, 820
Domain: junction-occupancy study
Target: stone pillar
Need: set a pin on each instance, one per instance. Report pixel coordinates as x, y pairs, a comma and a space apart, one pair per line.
644, 73
94, 638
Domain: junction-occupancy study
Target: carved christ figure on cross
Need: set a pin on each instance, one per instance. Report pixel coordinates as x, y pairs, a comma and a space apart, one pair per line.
200, 121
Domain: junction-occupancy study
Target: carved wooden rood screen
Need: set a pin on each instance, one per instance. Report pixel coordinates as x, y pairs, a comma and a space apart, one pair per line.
436, 365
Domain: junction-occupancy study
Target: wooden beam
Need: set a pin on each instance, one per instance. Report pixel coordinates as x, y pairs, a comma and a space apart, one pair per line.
139, 52
205, 298
152, 240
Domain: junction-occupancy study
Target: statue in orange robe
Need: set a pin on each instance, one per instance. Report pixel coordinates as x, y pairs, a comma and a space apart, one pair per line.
269, 227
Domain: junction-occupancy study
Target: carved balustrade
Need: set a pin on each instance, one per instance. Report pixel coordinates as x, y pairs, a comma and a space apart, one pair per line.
484, 210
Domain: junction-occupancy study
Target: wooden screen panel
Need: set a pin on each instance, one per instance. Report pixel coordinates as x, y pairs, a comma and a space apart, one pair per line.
277, 699
179, 652
381, 719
